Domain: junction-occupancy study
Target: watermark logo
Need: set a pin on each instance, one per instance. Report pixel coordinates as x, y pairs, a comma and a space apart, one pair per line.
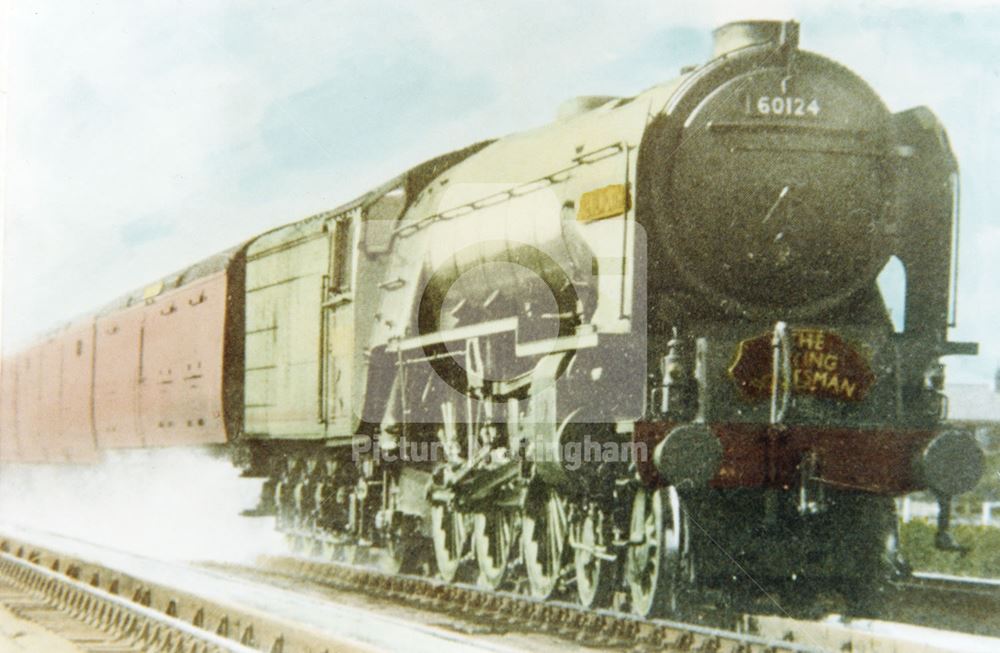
572, 455
477, 298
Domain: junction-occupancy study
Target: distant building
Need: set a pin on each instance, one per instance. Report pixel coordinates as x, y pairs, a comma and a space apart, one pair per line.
977, 406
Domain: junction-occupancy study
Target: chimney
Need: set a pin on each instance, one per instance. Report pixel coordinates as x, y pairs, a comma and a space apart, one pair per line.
745, 33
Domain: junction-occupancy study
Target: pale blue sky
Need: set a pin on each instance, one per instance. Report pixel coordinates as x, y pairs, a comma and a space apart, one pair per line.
142, 136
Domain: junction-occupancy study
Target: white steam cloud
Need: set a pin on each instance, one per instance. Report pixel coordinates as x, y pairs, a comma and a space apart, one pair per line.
168, 504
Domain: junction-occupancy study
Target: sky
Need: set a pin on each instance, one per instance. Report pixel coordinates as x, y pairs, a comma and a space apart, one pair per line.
143, 136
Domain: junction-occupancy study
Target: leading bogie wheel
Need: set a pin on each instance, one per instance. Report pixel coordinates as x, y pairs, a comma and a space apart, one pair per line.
658, 552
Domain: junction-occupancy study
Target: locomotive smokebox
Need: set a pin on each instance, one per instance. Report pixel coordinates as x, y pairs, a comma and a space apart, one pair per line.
745, 33
689, 457
772, 164
952, 463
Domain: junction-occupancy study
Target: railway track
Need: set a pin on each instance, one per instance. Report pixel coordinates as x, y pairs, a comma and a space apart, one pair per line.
970, 605
600, 629
147, 615
608, 629
139, 604
108, 609
36, 586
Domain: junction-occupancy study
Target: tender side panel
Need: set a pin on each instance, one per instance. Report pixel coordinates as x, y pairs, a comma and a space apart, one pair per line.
340, 344
76, 385
116, 379
10, 446
285, 281
180, 388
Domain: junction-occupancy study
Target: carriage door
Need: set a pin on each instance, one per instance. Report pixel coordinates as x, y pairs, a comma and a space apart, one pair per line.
338, 324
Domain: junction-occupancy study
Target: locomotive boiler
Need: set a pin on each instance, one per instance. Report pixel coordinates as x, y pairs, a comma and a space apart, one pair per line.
635, 352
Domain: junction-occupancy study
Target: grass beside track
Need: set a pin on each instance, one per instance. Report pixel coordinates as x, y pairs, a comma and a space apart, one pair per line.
982, 560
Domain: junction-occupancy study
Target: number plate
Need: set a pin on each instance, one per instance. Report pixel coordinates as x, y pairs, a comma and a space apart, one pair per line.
787, 105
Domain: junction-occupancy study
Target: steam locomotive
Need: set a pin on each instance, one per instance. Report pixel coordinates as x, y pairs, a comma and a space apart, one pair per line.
633, 352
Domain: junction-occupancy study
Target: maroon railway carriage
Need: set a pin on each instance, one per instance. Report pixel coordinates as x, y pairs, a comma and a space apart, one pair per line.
45, 414
152, 369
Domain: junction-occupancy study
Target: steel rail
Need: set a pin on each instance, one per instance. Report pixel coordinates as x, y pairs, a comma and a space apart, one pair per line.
142, 626
616, 629
152, 619
596, 628
952, 602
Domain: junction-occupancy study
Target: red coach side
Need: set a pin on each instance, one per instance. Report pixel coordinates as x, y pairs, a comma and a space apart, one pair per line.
10, 445
75, 427
46, 403
159, 367
116, 379
180, 390
160, 371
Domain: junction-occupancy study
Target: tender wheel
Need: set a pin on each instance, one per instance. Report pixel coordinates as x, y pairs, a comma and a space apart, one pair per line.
543, 541
403, 545
284, 514
296, 542
595, 561
450, 531
492, 538
302, 499
400, 532
657, 551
